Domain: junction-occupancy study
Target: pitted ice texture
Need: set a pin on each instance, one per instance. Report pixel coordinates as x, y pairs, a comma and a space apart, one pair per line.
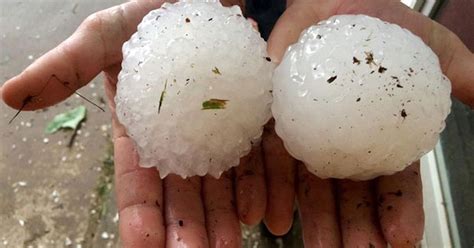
357, 97
195, 88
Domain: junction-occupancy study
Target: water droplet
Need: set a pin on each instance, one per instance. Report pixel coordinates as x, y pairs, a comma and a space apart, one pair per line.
116, 218
312, 48
103, 128
68, 241
297, 79
302, 93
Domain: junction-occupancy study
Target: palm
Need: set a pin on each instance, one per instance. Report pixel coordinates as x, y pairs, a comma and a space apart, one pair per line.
400, 215
174, 203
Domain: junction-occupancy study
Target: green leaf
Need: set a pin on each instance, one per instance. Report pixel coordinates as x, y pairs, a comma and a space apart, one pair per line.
69, 119
214, 104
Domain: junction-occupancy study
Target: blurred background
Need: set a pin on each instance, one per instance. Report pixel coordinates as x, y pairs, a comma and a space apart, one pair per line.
56, 190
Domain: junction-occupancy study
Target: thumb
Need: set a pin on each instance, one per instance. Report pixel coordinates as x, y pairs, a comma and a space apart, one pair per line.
297, 17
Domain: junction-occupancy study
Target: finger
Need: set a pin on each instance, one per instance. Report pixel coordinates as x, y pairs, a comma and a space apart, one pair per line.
250, 188
400, 208
297, 17
240, 3
139, 190
254, 23
318, 211
95, 45
184, 212
222, 222
280, 168
455, 58
358, 215
139, 199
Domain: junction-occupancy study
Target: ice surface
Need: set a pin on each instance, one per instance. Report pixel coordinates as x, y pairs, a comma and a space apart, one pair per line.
357, 98
195, 88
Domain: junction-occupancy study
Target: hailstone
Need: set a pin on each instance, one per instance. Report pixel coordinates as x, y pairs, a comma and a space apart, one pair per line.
356, 97
195, 88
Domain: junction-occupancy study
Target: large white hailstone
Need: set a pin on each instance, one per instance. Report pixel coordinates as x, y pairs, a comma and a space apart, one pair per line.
357, 98
195, 88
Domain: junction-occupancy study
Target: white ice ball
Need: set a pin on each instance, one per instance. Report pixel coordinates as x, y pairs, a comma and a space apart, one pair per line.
195, 88
357, 97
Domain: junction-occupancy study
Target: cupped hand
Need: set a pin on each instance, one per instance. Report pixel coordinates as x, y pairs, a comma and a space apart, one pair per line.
342, 212
194, 212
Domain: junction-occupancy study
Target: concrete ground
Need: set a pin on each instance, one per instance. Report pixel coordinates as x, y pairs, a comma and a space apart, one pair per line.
52, 195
